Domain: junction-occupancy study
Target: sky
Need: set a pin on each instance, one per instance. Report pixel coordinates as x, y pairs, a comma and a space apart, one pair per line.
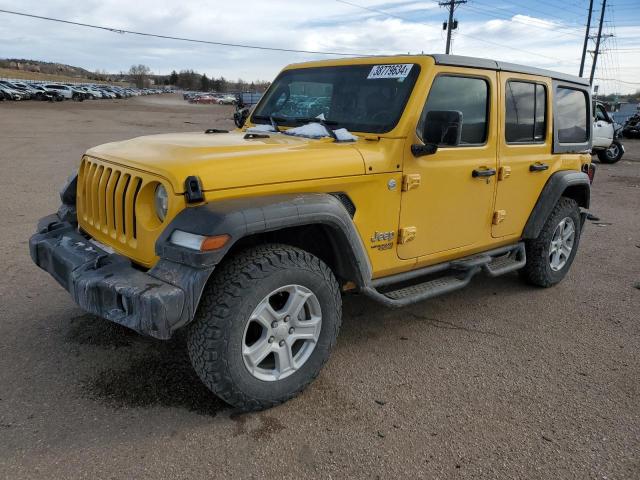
545, 33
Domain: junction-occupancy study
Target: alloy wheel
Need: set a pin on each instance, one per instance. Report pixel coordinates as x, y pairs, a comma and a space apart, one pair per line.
562, 243
281, 333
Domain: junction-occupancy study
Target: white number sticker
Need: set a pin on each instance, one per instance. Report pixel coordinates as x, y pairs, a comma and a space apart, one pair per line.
397, 70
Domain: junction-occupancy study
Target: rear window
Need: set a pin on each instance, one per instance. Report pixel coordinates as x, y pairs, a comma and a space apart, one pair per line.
571, 115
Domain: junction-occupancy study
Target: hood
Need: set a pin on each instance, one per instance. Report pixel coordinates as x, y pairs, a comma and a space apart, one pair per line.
228, 160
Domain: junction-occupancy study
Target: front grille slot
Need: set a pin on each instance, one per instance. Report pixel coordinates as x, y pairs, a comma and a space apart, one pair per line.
107, 200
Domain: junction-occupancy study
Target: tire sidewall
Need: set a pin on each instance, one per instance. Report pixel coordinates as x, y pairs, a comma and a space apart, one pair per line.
549, 228
604, 158
275, 390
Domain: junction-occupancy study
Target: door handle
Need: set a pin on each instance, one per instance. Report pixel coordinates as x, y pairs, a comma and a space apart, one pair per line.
538, 167
485, 172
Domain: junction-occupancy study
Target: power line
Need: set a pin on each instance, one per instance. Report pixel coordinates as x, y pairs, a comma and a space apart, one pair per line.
616, 80
512, 11
532, 23
501, 45
370, 9
182, 39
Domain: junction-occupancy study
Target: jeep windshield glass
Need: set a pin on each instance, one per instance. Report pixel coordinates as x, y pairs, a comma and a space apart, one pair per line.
360, 98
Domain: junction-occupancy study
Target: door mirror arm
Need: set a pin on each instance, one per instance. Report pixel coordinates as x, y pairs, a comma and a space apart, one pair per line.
422, 149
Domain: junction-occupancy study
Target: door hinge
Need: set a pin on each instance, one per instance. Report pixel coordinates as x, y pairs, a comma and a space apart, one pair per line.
499, 216
504, 172
406, 234
410, 181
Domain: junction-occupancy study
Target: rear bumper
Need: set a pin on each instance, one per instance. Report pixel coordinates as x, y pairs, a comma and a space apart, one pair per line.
156, 302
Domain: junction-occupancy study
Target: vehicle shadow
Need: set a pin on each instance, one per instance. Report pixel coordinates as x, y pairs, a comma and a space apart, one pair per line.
155, 373
159, 373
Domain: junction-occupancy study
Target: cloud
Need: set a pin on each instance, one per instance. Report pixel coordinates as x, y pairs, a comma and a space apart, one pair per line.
324, 25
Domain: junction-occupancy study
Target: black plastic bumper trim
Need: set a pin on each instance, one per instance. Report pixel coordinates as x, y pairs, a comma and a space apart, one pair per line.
154, 303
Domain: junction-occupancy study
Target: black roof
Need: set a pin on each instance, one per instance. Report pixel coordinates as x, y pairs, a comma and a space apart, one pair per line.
474, 62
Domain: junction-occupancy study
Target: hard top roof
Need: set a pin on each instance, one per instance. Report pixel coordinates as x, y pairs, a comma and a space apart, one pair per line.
459, 61
474, 62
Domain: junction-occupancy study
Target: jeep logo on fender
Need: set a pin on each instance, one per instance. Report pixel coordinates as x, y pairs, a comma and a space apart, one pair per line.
382, 236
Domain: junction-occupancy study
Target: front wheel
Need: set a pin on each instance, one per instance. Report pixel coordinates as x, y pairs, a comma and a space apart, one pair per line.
265, 326
612, 154
550, 255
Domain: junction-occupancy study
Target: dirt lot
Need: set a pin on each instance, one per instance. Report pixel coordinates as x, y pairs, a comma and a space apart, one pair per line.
500, 380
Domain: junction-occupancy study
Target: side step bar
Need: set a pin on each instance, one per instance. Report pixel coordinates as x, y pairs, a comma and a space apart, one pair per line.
458, 274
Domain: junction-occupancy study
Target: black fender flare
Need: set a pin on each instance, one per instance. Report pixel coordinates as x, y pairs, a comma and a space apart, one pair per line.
243, 217
568, 183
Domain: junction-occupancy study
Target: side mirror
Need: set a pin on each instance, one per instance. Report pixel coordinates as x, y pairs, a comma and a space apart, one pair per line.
240, 117
441, 128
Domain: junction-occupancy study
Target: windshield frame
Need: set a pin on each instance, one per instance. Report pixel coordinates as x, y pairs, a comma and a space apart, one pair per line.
387, 128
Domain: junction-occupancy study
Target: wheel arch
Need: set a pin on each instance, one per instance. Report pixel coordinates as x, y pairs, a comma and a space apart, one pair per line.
315, 222
566, 183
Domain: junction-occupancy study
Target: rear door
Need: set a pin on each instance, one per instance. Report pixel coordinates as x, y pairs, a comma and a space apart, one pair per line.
524, 150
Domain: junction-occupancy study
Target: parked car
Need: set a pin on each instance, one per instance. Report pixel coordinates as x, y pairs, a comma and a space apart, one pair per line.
25, 95
631, 128
12, 93
204, 99
64, 90
227, 100
606, 141
29, 88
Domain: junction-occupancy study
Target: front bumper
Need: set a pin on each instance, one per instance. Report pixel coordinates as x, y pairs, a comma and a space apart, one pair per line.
156, 302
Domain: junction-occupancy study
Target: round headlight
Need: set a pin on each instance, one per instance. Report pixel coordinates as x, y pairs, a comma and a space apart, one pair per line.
161, 202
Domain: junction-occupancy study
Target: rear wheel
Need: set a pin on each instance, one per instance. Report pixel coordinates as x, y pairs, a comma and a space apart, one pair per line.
550, 255
612, 154
265, 326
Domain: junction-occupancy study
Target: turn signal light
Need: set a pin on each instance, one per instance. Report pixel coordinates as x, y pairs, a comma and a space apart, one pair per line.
196, 242
214, 243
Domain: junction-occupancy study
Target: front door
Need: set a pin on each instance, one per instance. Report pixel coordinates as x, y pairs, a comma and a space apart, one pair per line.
602, 128
451, 208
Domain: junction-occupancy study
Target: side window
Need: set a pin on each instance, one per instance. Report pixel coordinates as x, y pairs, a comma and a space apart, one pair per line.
525, 112
463, 94
600, 114
525, 105
571, 115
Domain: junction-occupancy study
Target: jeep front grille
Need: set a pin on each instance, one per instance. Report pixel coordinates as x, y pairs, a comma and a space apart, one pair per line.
106, 200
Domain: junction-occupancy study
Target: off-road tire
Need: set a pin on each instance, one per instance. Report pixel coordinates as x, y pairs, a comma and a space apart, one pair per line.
612, 154
538, 270
214, 339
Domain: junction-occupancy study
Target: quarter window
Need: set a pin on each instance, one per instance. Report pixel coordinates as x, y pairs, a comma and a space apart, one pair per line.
467, 95
571, 115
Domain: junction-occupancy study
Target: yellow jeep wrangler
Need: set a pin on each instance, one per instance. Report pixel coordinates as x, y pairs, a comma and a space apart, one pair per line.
399, 178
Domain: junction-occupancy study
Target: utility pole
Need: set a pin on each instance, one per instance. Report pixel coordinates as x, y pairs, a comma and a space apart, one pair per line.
595, 54
451, 24
586, 38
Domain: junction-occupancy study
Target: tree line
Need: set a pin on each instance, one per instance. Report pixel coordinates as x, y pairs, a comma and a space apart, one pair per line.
142, 76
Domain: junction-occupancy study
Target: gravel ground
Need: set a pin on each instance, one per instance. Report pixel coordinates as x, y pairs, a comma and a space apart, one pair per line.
500, 380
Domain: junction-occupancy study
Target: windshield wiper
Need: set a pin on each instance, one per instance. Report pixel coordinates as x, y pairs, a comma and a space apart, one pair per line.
274, 124
299, 120
314, 120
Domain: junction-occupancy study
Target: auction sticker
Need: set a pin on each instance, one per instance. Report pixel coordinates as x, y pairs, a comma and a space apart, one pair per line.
396, 70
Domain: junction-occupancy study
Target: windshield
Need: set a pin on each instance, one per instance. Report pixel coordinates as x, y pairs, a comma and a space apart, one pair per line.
360, 98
